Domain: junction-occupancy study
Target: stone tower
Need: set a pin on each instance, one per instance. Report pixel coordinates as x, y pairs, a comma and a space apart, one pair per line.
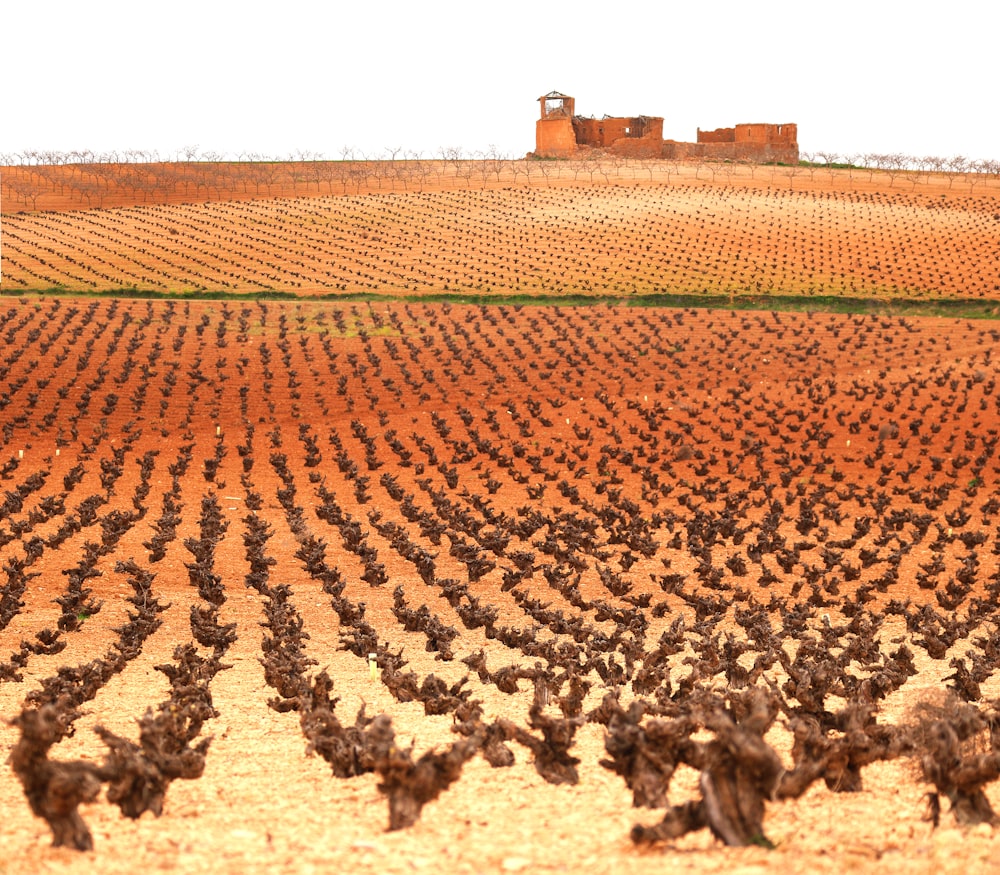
554, 136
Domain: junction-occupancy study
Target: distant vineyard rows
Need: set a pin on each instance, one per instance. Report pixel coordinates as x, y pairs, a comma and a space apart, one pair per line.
581, 238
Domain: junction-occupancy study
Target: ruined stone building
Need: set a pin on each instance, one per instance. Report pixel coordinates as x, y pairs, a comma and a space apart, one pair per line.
560, 133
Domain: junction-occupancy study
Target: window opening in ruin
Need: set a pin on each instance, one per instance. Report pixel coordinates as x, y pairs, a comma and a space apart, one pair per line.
637, 128
555, 106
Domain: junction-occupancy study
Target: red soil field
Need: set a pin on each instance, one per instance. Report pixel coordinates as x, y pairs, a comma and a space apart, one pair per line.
754, 524
526, 228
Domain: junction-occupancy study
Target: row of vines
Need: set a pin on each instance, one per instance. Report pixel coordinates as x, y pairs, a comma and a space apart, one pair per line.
87, 180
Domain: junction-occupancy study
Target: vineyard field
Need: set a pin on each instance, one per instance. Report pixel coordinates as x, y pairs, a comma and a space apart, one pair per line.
645, 588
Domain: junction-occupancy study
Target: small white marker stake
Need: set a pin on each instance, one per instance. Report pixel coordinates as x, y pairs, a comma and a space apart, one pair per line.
20, 454
372, 666
218, 430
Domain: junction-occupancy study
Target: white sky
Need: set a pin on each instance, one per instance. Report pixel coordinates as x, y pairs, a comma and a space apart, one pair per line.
319, 76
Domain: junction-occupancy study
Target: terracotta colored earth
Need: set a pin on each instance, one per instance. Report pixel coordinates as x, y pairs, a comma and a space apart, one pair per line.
506, 420
562, 466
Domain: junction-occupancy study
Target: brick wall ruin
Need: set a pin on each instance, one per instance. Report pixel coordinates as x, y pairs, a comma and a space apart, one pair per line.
560, 133
750, 142
638, 137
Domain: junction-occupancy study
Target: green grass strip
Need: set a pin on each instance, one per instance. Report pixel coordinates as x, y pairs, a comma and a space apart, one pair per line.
961, 308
